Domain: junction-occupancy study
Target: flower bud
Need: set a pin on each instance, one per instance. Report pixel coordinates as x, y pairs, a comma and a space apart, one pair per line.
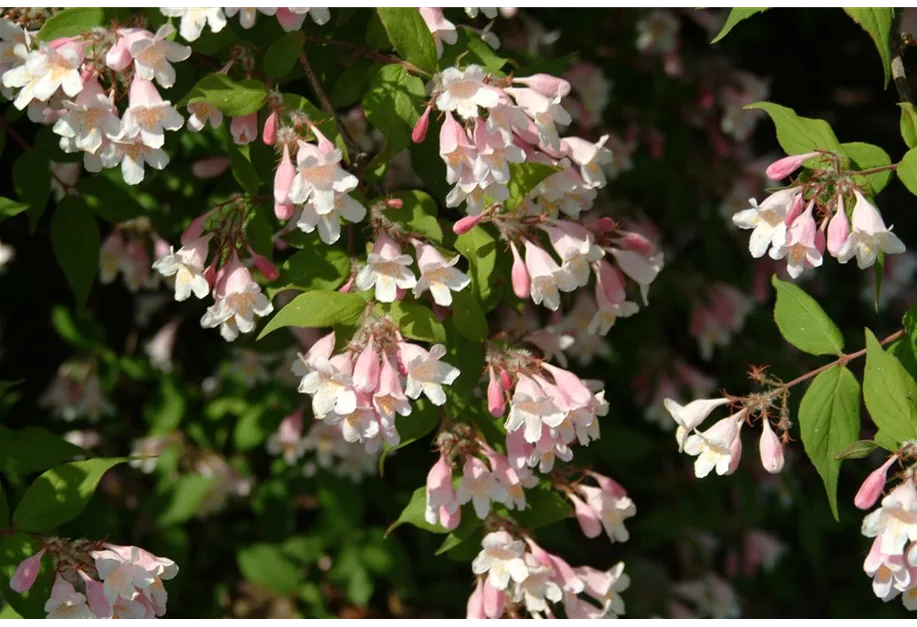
771, 449
872, 487
465, 224
782, 168
522, 285
26, 573
423, 123
269, 132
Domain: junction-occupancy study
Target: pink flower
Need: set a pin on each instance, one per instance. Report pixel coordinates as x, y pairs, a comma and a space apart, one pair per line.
782, 168
27, 572
873, 486
441, 497
244, 128
771, 449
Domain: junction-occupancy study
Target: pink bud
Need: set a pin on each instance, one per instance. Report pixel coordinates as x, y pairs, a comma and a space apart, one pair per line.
604, 225
475, 607
496, 402
244, 128
782, 168
269, 132
27, 572
493, 601
545, 84
872, 487
505, 380
771, 449
366, 370
264, 266
838, 229
283, 178
522, 285
463, 225
586, 517
423, 123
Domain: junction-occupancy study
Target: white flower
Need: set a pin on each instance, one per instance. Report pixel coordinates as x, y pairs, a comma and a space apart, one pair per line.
438, 275
767, 220
532, 408
426, 373
153, 56
480, 486
501, 559
386, 269
464, 92
194, 19
45, 71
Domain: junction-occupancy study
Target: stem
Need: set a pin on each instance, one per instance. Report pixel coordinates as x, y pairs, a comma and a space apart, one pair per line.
370, 54
323, 100
840, 361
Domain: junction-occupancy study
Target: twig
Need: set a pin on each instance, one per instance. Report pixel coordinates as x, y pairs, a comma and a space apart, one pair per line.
324, 102
369, 53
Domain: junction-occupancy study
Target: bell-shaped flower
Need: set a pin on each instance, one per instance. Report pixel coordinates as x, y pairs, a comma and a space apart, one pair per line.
439, 276
869, 235
387, 269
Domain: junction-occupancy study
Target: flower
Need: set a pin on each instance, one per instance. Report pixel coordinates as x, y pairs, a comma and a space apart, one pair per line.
386, 269
438, 275
869, 235
425, 372
501, 559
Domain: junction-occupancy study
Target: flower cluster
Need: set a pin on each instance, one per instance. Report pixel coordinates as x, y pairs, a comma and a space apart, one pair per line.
363, 389
99, 580
516, 575
799, 223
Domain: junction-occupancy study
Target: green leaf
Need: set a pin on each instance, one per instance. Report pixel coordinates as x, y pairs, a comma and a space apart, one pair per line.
59, 495
416, 321
480, 249
317, 309
15, 548
829, 421
188, 494
908, 124
242, 169
890, 393
803, 323
412, 514
108, 199
466, 529
468, 317
907, 170
315, 267
417, 214
735, 16
392, 104
523, 178
232, 98
410, 36
267, 565
32, 182
878, 23
865, 157
858, 450
33, 449
798, 135
10, 208
70, 22
75, 240
543, 506
283, 54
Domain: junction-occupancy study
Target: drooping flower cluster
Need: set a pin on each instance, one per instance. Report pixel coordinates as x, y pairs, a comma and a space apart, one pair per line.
99, 580
516, 575
786, 224
363, 389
